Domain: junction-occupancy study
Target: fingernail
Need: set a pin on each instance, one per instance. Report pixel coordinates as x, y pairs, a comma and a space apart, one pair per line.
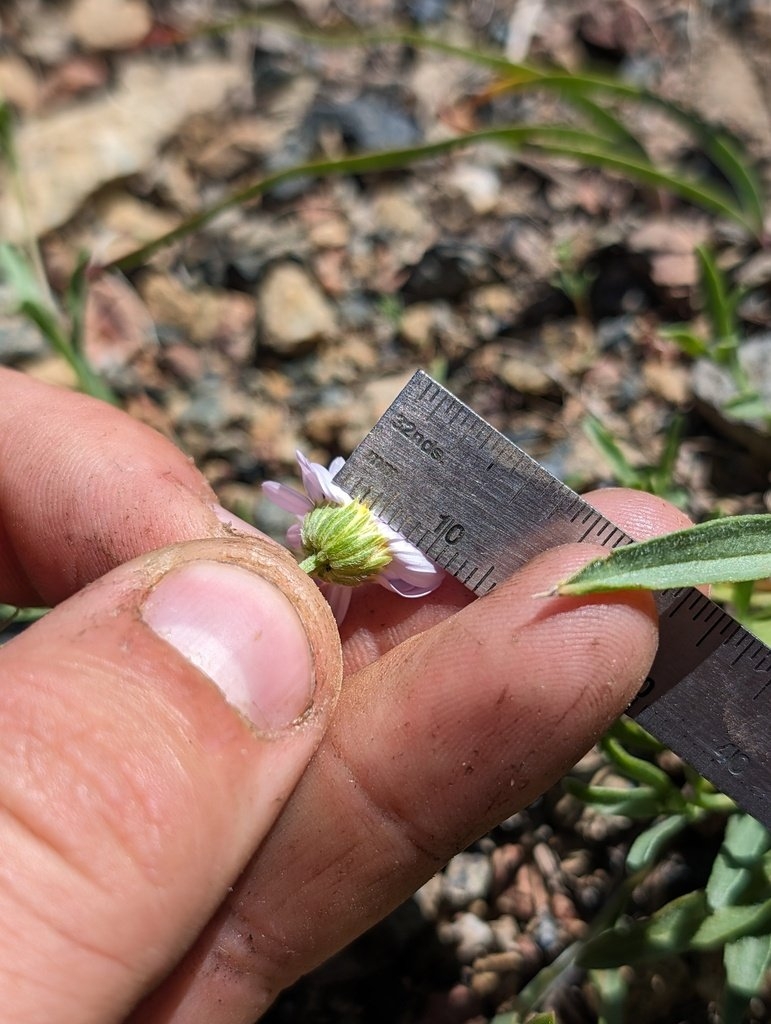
242, 632
234, 522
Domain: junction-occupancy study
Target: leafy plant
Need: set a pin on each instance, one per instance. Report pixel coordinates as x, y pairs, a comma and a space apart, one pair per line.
657, 478
728, 550
61, 328
723, 341
573, 280
24, 273
606, 142
733, 911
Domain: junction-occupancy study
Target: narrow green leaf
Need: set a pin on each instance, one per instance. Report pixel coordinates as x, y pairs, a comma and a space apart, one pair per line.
689, 342
636, 802
665, 469
75, 298
637, 768
17, 270
631, 733
723, 149
670, 930
744, 843
719, 551
581, 145
7, 147
649, 844
748, 406
612, 990
604, 440
715, 291
728, 923
610, 127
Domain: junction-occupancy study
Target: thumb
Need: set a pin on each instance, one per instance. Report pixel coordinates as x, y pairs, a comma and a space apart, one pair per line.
153, 726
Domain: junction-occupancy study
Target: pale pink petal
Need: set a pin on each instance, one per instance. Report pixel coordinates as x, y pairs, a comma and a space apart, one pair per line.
336, 465
403, 587
338, 599
294, 536
319, 485
287, 498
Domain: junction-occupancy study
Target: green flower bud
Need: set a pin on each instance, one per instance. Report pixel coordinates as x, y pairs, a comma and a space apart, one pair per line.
343, 544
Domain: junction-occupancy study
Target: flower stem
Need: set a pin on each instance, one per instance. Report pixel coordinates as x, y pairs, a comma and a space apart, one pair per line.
311, 564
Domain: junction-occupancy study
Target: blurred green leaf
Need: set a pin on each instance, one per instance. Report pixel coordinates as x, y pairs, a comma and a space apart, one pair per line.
670, 930
581, 145
746, 962
631, 733
603, 438
635, 802
689, 342
749, 406
716, 296
745, 841
611, 989
646, 848
728, 923
638, 768
719, 551
30, 301
75, 298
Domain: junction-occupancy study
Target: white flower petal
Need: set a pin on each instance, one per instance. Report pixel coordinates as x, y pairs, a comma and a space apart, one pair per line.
287, 498
410, 557
318, 483
402, 587
338, 598
294, 536
409, 574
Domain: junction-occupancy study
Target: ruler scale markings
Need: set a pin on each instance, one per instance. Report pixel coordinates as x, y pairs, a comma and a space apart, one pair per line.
430, 460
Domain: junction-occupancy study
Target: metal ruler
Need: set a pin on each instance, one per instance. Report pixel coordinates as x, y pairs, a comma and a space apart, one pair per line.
480, 507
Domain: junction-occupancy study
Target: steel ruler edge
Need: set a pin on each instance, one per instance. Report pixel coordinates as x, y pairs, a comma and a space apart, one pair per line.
480, 507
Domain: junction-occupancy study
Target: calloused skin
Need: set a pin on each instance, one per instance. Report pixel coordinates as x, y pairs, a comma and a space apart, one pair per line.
162, 860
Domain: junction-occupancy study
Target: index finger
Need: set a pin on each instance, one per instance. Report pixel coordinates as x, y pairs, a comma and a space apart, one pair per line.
84, 488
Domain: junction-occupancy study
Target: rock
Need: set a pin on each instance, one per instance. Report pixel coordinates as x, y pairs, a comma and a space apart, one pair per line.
123, 223
501, 963
714, 388
117, 325
79, 74
447, 271
417, 325
426, 12
479, 186
467, 877
46, 36
19, 86
203, 316
53, 370
67, 155
670, 243
396, 214
294, 315
721, 85
20, 339
472, 936
110, 24
428, 897
372, 121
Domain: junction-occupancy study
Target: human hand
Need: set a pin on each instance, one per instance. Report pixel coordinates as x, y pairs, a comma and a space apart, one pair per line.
134, 797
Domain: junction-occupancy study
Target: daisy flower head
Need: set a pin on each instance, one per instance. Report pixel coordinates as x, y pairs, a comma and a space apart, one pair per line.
342, 543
